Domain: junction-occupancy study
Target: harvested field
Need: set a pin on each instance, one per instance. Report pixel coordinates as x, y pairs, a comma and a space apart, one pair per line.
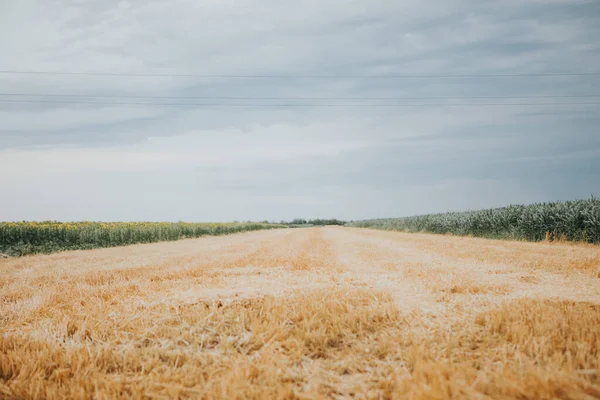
305, 313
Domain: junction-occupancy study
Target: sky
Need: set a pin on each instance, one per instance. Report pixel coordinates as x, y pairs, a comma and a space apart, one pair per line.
312, 109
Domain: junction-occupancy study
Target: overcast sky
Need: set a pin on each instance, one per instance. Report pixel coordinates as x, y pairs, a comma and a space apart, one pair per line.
345, 156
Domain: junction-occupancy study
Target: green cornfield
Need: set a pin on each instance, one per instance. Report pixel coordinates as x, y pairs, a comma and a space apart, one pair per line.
21, 238
576, 220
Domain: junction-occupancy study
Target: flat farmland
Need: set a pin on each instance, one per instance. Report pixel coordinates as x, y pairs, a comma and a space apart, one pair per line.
304, 313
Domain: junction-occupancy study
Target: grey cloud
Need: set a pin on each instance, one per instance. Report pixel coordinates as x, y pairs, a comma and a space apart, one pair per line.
441, 156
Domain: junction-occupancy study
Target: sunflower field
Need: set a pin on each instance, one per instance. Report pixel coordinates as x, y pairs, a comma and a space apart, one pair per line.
21, 238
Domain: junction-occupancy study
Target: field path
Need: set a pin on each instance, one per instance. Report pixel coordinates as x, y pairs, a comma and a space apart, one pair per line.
327, 312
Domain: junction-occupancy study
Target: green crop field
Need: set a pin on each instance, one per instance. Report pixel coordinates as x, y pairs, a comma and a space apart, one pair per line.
21, 238
576, 220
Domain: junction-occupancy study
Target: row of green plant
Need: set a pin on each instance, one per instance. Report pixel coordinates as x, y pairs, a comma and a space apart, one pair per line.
21, 238
576, 220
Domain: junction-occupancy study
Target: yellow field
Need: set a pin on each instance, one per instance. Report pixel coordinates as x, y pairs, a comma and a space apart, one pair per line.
304, 313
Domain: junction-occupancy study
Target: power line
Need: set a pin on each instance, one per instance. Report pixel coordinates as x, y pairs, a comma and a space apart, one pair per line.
294, 98
233, 76
296, 105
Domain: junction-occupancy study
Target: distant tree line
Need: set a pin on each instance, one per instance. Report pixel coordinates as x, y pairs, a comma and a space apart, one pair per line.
316, 222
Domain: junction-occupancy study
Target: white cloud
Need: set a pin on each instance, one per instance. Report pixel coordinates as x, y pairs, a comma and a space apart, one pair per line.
234, 148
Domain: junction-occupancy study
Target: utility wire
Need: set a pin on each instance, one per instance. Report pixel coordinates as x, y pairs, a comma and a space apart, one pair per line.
125, 74
297, 105
293, 98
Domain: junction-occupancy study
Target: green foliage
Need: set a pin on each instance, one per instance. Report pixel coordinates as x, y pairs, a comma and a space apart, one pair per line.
576, 220
21, 238
314, 222
300, 225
